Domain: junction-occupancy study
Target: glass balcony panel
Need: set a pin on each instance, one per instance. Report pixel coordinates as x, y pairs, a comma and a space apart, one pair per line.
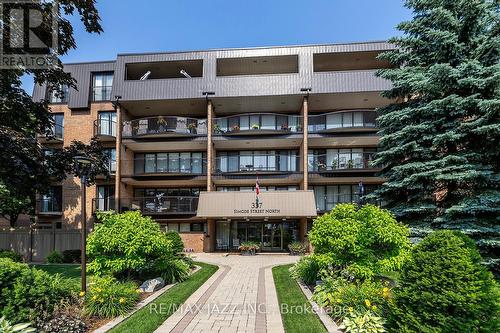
347, 119
196, 163
244, 123
254, 121
268, 122
358, 119
334, 120
185, 162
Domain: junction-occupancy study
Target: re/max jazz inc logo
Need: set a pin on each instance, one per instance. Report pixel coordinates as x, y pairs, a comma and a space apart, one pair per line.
29, 33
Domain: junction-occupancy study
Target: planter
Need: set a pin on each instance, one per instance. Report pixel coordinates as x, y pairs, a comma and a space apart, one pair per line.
248, 252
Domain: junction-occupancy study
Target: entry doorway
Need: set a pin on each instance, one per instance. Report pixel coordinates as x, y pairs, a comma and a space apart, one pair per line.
273, 236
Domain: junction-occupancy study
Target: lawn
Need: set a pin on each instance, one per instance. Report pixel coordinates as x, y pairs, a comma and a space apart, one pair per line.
289, 293
66, 270
146, 321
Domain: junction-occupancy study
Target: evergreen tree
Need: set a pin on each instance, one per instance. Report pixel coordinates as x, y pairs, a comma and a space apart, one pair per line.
440, 137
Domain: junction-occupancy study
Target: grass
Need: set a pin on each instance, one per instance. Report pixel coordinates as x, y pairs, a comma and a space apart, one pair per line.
146, 321
289, 293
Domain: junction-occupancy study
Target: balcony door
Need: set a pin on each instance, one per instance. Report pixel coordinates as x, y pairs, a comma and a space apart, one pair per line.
105, 197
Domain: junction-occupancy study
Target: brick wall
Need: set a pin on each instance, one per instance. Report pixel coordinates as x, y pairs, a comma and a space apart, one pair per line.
193, 240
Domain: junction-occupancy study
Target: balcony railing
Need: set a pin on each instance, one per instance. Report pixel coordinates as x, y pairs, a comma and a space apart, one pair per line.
49, 206
103, 204
101, 93
161, 204
56, 132
252, 163
342, 120
105, 127
341, 161
167, 165
326, 203
164, 125
258, 123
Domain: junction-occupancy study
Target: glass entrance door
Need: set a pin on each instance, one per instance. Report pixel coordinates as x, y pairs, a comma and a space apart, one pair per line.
272, 237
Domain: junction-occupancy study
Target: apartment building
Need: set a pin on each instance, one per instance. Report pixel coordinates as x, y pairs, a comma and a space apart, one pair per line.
191, 134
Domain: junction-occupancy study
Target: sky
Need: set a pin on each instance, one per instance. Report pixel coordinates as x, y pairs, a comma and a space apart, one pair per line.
132, 26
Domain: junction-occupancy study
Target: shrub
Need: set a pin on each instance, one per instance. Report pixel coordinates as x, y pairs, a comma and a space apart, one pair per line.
359, 296
72, 256
11, 255
444, 288
249, 246
7, 327
364, 241
55, 258
125, 244
171, 269
306, 270
297, 248
362, 323
26, 292
177, 244
108, 298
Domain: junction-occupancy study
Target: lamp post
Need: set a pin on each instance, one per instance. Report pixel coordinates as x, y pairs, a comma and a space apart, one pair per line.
82, 166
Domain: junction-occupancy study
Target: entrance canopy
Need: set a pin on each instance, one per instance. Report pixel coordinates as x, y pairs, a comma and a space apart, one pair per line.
272, 204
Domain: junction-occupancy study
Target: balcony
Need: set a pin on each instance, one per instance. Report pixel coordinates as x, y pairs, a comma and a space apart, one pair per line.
56, 135
105, 129
103, 204
343, 121
340, 162
165, 164
159, 205
258, 123
327, 203
164, 126
49, 206
252, 163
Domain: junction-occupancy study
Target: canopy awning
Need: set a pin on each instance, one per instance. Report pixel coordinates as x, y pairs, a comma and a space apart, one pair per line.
272, 204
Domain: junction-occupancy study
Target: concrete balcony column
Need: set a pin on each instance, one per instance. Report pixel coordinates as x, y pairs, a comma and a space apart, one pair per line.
118, 156
304, 112
210, 145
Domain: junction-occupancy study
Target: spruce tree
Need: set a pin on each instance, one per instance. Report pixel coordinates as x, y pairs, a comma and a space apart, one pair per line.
440, 141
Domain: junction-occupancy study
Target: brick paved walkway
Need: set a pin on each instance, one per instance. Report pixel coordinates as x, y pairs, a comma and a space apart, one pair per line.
239, 297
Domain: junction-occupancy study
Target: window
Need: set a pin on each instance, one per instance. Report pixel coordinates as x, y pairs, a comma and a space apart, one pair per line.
185, 162
101, 86
52, 200
111, 154
107, 123
58, 125
105, 197
55, 97
197, 227
271, 160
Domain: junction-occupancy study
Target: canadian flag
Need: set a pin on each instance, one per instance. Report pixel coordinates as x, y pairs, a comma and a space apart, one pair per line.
257, 187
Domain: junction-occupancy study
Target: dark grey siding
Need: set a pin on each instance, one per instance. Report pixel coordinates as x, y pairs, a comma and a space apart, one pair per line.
82, 73
228, 86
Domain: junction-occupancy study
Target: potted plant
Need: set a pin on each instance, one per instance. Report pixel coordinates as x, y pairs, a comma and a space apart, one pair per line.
235, 128
249, 248
192, 128
217, 129
297, 248
335, 164
255, 126
284, 127
350, 164
299, 128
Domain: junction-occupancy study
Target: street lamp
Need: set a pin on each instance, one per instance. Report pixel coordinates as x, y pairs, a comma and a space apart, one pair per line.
82, 166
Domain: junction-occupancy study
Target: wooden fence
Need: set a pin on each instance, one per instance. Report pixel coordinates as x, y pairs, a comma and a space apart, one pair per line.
36, 244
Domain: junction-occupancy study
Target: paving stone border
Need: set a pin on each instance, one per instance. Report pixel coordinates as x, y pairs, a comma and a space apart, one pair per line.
327, 321
108, 326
